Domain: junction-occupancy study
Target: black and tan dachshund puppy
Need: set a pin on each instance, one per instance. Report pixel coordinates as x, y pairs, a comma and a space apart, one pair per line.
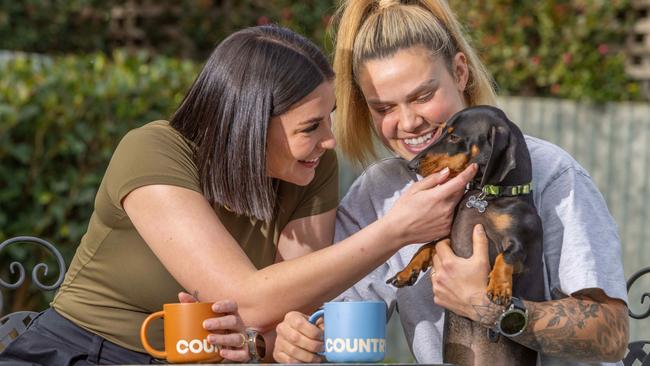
500, 198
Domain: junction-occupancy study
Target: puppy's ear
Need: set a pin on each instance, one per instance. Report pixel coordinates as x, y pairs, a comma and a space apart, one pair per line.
502, 158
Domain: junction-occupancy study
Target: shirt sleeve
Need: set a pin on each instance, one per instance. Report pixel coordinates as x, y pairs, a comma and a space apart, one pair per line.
581, 245
322, 193
153, 154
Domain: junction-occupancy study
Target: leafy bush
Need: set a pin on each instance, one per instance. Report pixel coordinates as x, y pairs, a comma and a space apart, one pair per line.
208, 22
187, 27
60, 119
54, 25
559, 48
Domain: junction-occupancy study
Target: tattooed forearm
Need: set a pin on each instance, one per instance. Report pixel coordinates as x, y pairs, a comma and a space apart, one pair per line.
577, 328
485, 311
580, 329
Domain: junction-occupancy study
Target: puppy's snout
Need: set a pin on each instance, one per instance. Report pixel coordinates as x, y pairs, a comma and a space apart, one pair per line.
414, 165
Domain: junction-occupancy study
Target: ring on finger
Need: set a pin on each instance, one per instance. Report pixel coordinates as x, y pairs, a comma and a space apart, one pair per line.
243, 340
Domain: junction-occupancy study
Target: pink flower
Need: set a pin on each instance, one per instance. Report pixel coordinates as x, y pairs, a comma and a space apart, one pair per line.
555, 89
567, 57
535, 60
263, 20
603, 48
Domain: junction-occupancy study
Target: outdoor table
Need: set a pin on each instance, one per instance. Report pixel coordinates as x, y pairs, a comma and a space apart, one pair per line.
315, 364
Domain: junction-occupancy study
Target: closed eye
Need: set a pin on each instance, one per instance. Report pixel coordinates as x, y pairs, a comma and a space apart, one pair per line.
311, 128
383, 109
425, 98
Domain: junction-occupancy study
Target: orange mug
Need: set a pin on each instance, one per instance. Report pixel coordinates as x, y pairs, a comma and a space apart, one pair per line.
185, 339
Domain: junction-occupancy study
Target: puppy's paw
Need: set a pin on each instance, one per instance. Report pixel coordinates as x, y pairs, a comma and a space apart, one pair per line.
499, 289
404, 278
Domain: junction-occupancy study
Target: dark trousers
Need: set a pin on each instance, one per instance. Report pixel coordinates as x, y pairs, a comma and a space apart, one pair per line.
54, 340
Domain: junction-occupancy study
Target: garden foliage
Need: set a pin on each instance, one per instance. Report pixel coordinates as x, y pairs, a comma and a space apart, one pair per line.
63, 111
557, 48
60, 119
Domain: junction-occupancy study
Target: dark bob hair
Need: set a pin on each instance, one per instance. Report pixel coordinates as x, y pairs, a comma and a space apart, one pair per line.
253, 75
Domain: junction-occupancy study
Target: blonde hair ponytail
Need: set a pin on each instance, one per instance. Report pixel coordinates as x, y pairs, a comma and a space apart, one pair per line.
383, 4
355, 140
374, 29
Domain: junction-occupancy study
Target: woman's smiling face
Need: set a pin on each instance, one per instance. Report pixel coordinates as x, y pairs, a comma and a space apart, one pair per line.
410, 94
298, 138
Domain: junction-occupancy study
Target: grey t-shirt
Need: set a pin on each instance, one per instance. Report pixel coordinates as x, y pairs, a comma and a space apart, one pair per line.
581, 244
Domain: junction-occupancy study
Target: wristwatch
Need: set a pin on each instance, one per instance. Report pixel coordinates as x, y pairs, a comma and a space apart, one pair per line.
256, 345
513, 321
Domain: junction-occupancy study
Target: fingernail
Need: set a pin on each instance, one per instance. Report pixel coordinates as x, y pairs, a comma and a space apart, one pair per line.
212, 339
444, 172
479, 229
205, 324
216, 308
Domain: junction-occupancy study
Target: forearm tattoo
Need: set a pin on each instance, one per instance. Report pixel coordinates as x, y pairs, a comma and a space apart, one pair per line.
486, 312
575, 328
572, 328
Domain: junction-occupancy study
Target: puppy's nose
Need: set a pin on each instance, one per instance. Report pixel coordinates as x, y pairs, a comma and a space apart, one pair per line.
414, 164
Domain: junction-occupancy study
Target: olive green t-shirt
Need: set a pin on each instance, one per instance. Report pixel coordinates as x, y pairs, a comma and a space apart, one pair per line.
115, 280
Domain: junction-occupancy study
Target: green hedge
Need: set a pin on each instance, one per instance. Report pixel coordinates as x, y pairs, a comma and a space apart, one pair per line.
57, 26
557, 48
60, 119
565, 49
54, 25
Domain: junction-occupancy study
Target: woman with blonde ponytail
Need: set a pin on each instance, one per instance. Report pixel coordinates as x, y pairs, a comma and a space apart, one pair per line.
402, 69
358, 22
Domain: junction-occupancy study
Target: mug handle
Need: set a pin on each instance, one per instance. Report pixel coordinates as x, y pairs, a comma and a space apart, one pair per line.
314, 318
143, 335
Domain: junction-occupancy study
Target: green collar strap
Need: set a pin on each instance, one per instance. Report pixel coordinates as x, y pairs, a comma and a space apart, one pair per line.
507, 191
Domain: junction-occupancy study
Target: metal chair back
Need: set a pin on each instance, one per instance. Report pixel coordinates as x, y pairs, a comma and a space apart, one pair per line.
638, 352
12, 325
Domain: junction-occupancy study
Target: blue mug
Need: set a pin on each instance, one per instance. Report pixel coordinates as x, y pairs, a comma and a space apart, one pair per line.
355, 331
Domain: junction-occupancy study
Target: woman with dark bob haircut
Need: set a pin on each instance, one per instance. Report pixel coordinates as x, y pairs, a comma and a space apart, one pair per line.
233, 201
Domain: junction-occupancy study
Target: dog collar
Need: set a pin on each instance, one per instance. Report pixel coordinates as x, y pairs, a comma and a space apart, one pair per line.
503, 191
479, 201
507, 191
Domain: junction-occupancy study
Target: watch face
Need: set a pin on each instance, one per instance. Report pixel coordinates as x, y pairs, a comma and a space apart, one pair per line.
513, 322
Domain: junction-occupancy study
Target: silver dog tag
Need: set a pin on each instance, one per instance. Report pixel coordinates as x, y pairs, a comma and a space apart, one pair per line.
477, 203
